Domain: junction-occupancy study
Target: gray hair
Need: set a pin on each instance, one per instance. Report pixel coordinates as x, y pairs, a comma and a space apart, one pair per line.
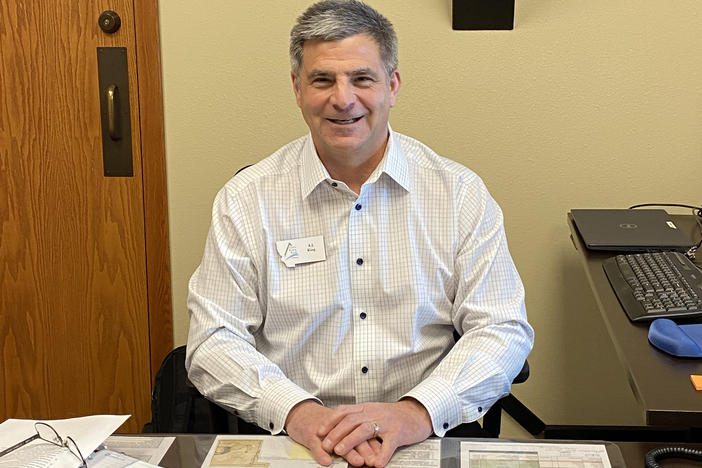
333, 20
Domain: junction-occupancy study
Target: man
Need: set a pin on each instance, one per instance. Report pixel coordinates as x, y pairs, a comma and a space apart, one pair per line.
337, 269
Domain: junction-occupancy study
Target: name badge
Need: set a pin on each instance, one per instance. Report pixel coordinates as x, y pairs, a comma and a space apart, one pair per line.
303, 250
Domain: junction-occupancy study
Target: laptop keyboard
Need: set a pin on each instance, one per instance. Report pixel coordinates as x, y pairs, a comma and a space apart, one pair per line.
656, 284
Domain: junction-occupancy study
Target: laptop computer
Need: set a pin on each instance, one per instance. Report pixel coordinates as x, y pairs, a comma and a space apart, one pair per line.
629, 230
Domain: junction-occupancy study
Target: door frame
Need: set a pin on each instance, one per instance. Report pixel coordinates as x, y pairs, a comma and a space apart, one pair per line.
153, 160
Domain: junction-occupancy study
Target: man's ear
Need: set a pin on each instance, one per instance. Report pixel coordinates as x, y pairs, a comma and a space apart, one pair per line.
395, 81
296, 86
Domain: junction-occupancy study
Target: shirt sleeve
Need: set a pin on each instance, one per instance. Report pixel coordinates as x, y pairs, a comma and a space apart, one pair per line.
225, 314
488, 312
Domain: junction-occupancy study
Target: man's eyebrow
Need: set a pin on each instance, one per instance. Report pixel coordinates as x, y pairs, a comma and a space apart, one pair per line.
329, 74
363, 71
319, 74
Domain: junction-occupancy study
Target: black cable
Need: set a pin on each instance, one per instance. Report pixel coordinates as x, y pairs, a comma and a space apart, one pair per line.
655, 455
697, 209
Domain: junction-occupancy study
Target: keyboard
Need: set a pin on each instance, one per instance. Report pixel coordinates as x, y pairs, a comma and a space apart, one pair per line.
651, 285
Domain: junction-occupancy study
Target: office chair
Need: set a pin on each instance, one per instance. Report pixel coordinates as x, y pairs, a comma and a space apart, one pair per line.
178, 407
492, 421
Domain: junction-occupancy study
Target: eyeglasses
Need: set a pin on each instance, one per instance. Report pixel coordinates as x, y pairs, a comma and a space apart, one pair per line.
49, 434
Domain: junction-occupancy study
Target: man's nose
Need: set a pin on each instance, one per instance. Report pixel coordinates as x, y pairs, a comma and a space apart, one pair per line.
343, 97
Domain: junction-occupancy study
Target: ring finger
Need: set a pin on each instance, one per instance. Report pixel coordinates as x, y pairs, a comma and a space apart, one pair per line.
362, 433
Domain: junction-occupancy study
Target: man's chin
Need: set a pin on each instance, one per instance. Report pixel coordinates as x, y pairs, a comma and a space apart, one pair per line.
344, 143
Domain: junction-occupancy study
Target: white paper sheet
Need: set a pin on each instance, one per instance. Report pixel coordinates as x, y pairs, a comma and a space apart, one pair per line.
145, 448
533, 455
425, 454
107, 458
88, 432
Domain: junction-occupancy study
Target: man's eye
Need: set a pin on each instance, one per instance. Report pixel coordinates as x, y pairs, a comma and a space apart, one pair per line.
320, 81
364, 80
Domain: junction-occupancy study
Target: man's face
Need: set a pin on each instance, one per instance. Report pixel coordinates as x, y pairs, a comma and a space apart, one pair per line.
345, 96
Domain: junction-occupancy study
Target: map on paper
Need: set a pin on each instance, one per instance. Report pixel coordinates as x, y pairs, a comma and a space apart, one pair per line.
237, 453
232, 451
532, 455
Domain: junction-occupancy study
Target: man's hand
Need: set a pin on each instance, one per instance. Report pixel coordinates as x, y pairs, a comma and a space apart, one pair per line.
303, 425
403, 423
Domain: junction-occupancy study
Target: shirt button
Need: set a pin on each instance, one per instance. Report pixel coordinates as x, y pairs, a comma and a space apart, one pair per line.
364, 369
480, 409
363, 315
334, 184
358, 206
271, 425
359, 261
445, 425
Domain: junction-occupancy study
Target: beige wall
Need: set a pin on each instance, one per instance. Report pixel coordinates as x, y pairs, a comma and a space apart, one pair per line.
585, 104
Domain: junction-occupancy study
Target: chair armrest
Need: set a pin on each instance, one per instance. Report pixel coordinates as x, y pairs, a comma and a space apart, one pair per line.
523, 374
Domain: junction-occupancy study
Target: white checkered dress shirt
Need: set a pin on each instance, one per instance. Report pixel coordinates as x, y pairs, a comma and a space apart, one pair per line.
420, 252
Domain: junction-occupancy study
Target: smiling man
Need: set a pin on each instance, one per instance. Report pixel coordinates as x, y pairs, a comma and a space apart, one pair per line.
345, 95
337, 270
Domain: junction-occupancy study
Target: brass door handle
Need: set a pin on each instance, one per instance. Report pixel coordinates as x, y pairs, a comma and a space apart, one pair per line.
111, 95
115, 120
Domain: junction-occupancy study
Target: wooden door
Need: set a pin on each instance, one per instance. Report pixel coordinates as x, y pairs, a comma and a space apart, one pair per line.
74, 304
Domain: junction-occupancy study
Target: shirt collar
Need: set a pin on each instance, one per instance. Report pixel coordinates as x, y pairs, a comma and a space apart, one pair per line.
394, 164
313, 171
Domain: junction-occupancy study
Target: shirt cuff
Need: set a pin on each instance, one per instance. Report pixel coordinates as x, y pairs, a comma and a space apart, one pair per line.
277, 402
440, 401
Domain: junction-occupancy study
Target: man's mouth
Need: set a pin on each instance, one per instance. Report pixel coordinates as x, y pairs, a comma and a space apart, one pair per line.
345, 121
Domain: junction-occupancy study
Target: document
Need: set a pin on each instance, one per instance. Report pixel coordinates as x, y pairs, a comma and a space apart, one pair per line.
88, 432
425, 454
533, 455
107, 458
237, 451
145, 448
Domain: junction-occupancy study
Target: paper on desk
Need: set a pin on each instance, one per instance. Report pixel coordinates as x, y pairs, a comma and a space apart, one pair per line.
150, 449
425, 454
88, 432
282, 452
533, 454
107, 458
238, 451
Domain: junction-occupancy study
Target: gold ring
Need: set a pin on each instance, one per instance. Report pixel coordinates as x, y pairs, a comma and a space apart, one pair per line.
376, 429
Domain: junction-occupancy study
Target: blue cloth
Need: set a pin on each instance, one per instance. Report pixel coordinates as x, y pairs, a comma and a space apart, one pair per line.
678, 340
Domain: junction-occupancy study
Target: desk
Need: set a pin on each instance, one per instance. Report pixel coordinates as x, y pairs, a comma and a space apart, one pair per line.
660, 382
190, 450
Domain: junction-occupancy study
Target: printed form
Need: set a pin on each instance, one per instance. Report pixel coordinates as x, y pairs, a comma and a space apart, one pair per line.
533, 455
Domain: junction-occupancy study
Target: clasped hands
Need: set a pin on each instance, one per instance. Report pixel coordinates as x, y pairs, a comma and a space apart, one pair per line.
350, 430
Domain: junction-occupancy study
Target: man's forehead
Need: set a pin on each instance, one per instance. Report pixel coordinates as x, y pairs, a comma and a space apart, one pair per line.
360, 46
352, 55
362, 37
